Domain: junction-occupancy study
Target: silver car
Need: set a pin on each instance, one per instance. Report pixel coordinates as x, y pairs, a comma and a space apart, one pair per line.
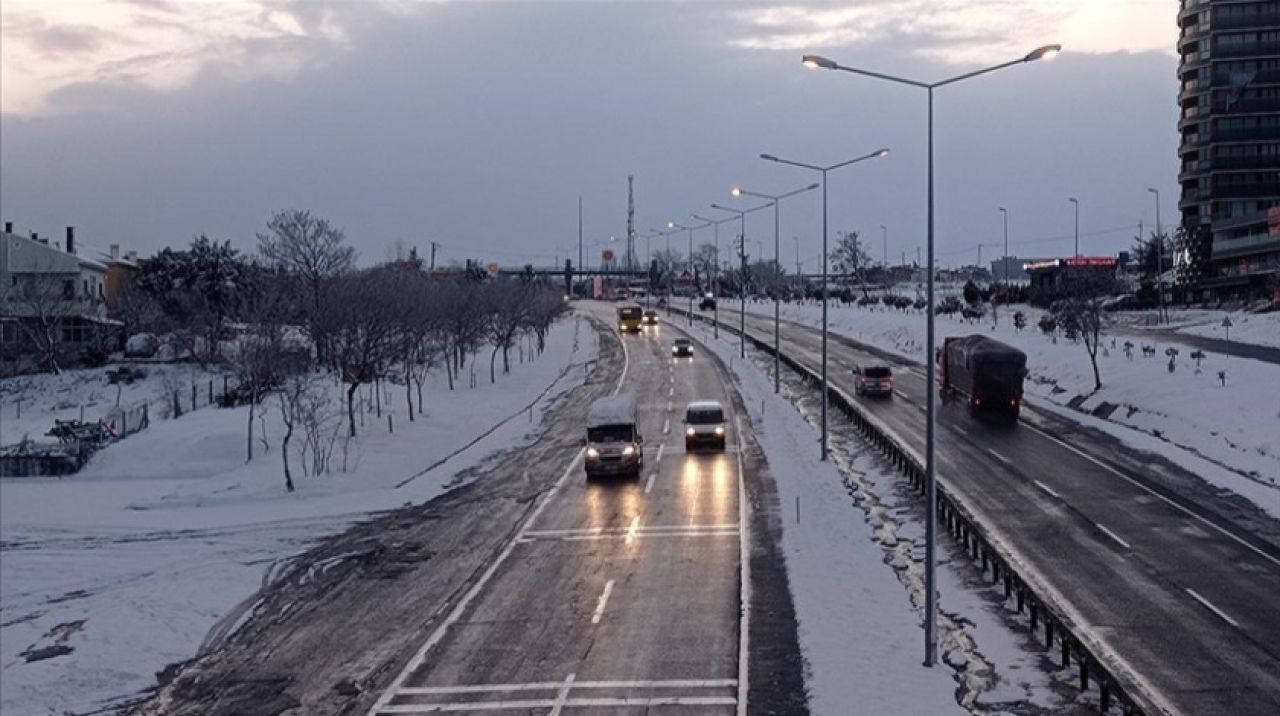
704, 425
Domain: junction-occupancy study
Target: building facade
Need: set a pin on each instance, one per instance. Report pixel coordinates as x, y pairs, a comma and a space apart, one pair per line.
1229, 98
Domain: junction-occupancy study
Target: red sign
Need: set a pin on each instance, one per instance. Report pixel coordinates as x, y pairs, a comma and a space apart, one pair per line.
607, 254
1091, 261
493, 268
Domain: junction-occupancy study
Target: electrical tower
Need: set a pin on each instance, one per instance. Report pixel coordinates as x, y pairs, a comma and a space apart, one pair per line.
631, 223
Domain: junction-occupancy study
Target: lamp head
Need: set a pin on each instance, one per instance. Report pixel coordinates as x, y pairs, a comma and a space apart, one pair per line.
814, 62
737, 191
883, 152
1048, 52
769, 157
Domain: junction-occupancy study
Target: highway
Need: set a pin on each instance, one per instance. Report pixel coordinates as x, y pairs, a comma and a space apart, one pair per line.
615, 595
1189, 606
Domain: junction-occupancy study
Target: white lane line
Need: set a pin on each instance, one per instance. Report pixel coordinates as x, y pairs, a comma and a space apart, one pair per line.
626, 363
744, 580
1210, 523
671, 390
1000, 457
633, 530
960, 430
573, 703
668, 406
648, 485
563, 696
1112, 535
1209, 605
1046, 488
555, 685
660, 449
666, 426
639, 535
621, 531
604, 599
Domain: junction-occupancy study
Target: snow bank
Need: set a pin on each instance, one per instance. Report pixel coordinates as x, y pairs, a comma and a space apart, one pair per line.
131, 562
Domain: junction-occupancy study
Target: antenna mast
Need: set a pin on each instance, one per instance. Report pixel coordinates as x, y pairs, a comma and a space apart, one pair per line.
631, 223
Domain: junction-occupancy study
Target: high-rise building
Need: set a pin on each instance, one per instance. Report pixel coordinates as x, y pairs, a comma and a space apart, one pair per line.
1229, 245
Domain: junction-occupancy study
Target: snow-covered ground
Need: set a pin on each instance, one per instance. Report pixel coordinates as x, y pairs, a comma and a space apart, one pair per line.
861, 638
1261, 329
131, 562
1225, 434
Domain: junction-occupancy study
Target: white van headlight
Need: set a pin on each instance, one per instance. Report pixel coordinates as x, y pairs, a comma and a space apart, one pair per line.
719, 430
592, 453
628, 451
689, 431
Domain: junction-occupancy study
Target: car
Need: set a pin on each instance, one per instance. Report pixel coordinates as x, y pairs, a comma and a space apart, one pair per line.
650, 318
873, 380
614, 445
707, 304
682, 348
704, 425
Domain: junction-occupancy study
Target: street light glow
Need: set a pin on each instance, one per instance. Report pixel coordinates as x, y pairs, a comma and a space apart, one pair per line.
1048, 52
671, 224
814, 62
737, 191
883, 152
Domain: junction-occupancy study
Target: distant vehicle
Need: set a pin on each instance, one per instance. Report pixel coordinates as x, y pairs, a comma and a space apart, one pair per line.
618, 293
989, 373
682, 348
614, 443
707, 304
629, 319
704, 425
873, 380
651, 317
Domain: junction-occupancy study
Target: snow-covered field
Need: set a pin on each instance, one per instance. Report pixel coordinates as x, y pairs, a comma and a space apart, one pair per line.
1226, 434
130, 563
1260, 329
861, 639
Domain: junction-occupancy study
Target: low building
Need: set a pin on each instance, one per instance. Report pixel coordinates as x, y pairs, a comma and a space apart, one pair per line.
52, 301
1050, 279
1010, 269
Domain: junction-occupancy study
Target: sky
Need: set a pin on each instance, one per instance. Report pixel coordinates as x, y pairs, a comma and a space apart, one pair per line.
478, 125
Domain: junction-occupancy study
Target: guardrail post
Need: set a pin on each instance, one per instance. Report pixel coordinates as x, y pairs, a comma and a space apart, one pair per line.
1084, 673
1066, 651
1008, 586
1104, 690
1035, 614
1048, 633
1022, 598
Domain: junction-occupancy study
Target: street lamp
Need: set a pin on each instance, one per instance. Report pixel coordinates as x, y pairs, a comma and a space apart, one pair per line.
774, 199
1004, 260
824, 171
884, 236
1159, 258
1076, 203
715, 278
931, 596
742, 279
689, 260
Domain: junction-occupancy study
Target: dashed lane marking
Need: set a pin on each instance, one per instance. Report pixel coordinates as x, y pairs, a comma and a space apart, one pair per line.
633, 530
563, 696
648, 485
1112, 535
660, 450
666, 426
1210, 606
999, 457
1046, 488
604, 599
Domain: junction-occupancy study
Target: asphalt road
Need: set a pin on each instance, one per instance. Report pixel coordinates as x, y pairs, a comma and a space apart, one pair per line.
1184, 598
617, 596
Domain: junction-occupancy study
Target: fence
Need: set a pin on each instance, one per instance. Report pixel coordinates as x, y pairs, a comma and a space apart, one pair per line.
1032, 597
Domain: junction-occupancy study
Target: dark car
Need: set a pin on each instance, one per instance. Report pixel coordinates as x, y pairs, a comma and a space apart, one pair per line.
873, 380
707, 304
651, 318
682, 348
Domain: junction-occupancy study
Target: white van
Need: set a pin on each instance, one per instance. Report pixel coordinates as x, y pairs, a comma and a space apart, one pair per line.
704, 425
614, 443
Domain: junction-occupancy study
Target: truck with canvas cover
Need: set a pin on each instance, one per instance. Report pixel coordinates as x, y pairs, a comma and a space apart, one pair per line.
614, 443
987, 372
630, 319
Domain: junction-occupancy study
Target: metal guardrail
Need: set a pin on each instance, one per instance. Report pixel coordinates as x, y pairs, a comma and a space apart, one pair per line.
1042, 605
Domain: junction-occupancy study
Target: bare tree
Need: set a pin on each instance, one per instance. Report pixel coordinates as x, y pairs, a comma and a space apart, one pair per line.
45, 302
312, 250
360, 325
1081, 315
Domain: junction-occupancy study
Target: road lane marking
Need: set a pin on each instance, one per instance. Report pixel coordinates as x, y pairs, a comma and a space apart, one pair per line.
1000, 457
668, 406
1219, 528
555, 685
572, 703
744, 580
604, 599
633, 529
660, 449
648, 485
1112, 535
1209, 605
671, 390
666, 426
960, 430
563, 696
623, 531
1046, 488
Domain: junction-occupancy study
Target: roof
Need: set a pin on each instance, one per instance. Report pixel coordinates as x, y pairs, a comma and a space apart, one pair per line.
980, 346
705, 405
613, 410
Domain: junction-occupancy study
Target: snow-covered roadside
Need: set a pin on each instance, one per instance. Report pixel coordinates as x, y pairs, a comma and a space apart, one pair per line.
1259, 329
131, 563
860, 638
1225, 434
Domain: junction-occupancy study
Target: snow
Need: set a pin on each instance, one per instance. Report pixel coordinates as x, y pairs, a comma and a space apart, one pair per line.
861, 640
1261, 329
162, 535
1224, 434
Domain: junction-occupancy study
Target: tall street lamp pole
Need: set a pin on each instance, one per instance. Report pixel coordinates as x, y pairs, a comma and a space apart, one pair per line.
1076, 203
689, 260
824, 170
715, 279
1004, 261
884, 257
1159, 258
931, 596
774, 199
742, 270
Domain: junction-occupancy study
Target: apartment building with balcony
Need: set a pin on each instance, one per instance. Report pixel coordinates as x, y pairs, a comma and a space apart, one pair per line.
1229, 100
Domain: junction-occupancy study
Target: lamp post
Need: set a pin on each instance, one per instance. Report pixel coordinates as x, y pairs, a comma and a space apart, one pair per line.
742, 270
884, 235
824, 170
1159, 258
715, 279
774, 199
1076, 203
689, 260
931, 596
1004, 260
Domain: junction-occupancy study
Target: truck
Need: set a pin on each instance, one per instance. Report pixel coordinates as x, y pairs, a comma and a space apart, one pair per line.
630, 318
987, 372
614, 445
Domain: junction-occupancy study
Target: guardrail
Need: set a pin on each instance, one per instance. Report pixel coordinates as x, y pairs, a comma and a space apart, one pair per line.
1043, 606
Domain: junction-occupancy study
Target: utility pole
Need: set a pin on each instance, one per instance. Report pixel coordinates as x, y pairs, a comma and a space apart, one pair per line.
580, 267
742, 287
884, 258
631, 223
434, 245
798, 271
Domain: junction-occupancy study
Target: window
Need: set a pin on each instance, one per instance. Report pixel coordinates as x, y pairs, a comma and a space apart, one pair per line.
68, 288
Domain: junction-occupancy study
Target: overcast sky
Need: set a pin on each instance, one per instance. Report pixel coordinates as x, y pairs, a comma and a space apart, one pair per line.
479, 124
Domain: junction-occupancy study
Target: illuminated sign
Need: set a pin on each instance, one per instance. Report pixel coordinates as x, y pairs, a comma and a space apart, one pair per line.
1093, 261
